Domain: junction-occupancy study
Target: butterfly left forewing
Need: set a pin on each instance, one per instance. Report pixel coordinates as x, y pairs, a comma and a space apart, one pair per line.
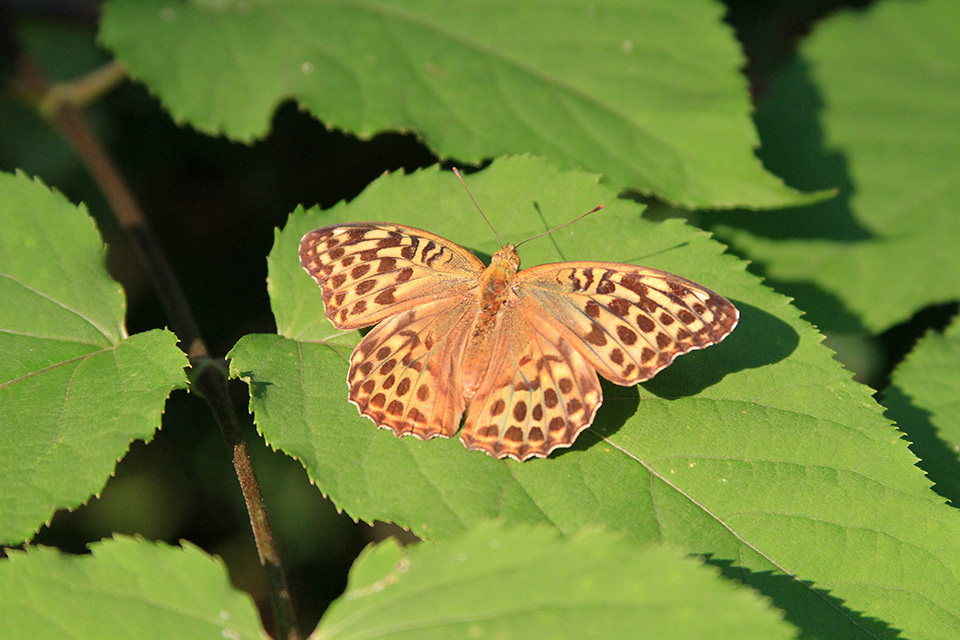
369, 271
629, 322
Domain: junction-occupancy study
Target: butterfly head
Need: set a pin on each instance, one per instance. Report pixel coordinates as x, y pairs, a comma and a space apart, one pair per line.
506, 261
498, 278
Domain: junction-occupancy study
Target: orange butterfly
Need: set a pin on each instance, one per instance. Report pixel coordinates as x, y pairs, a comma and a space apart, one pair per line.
518, 350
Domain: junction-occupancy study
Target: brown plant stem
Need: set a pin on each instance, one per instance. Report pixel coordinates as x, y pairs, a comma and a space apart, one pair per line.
59, 103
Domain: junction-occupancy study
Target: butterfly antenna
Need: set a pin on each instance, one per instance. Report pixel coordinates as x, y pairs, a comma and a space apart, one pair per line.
566, 224
457, 171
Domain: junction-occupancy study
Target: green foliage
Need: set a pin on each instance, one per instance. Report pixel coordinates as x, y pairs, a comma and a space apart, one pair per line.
760, 457
924, 399
507, 585
127, 588
723, 453
603, 86
886, 84
74, 390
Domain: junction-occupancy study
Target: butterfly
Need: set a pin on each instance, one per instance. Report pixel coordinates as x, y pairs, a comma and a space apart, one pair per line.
518, 351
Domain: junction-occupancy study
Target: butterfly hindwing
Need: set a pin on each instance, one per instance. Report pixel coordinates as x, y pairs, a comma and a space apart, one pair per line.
539, 393
404, 374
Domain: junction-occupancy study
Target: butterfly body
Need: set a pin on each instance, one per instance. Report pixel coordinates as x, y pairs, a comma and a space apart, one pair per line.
493, 293
518, 351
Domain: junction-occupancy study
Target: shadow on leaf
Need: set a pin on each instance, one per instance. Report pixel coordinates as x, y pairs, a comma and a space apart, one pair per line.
760, 339
937, 458
814, 611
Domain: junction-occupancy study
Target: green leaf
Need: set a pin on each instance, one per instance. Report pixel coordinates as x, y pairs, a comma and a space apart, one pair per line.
74, 390
528, 582
760, 453
924, 399
648, 93
886, 83
128, 588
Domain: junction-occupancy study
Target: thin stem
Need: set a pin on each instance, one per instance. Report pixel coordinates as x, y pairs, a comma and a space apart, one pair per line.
211, 383
209, 379
82, 92
73, 123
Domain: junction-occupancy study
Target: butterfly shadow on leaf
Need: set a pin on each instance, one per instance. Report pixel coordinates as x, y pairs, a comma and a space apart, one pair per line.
760, 339
258, 388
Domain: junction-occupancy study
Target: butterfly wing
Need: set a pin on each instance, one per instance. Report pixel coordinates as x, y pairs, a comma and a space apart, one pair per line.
628, 322
405, 373
369, 271
565, 323
538, 394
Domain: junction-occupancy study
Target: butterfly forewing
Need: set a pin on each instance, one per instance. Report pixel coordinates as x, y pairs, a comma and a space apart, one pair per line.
629, 322
371, 271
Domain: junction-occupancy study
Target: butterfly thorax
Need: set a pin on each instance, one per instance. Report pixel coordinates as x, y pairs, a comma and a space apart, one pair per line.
494, 291
497, 278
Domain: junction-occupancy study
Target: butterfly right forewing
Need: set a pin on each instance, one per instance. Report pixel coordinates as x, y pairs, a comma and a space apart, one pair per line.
628, 321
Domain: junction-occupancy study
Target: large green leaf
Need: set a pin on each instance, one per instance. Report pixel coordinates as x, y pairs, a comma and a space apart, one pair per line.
128, 588
74, 389
527, 582
648, 93
889, 84
760, 452
924, 399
